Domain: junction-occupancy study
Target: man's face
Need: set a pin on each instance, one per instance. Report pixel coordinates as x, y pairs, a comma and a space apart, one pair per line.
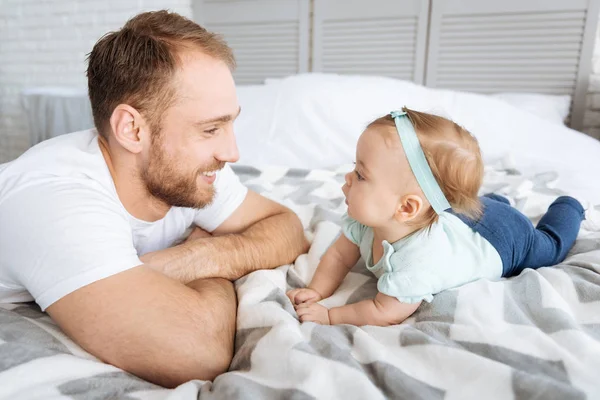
195, 137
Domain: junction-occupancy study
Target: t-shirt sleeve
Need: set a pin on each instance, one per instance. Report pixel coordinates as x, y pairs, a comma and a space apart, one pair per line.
408, 282
60, 236
229, 195
352, 229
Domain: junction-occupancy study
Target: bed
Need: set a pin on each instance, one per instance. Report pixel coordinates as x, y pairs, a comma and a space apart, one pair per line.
533, 336
536, 335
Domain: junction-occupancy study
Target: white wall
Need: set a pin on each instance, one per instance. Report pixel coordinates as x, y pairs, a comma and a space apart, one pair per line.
45, 42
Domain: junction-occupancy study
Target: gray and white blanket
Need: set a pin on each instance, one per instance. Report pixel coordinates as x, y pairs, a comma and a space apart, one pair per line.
536, 335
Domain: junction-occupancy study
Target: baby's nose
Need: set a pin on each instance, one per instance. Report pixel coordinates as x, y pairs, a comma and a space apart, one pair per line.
348, 178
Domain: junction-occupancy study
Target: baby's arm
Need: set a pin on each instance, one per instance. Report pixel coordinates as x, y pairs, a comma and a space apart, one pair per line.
383, 310
332, 269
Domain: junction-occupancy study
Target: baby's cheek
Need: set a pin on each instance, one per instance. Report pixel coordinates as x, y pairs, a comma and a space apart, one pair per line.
356, 208
379, 210
368, 212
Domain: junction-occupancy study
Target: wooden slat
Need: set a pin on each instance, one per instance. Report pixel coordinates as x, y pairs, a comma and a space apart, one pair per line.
269, 38
527, 51
513, 45
379, 37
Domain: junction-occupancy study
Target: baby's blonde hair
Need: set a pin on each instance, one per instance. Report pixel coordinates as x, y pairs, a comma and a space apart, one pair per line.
454, 157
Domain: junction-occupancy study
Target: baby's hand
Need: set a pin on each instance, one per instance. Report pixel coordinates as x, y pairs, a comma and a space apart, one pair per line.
304, 295
313, 312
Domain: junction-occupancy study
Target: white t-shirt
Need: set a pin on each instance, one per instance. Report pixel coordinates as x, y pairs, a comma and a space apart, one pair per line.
62, 225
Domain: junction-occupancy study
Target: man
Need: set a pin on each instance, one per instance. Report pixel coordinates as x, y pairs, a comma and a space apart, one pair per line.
92, 222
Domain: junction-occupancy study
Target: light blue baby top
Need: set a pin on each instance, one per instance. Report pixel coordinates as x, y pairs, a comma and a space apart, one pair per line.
447, 255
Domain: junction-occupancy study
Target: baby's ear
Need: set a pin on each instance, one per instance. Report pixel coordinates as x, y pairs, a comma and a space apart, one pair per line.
408, 208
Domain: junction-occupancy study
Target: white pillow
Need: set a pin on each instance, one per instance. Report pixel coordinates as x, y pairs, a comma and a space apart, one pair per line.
317, 118
314, 121
552, 108
254, 122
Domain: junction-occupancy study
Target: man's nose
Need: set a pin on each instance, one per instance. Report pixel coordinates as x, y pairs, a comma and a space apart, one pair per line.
228, 151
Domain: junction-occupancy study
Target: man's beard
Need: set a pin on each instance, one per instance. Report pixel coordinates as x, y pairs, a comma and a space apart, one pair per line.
174, 188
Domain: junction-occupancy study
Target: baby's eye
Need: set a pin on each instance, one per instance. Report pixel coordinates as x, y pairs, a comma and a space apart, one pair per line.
359, 176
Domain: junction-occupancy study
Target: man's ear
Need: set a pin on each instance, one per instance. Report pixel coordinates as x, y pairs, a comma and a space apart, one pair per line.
408, 208
128, 127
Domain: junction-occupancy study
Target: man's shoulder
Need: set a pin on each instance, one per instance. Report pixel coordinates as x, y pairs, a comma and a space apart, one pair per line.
58, 149
71, 159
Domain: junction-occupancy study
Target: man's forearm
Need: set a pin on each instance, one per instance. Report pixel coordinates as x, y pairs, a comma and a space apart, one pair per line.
269, 243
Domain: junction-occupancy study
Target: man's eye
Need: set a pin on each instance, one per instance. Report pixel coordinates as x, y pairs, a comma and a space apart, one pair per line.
211, 131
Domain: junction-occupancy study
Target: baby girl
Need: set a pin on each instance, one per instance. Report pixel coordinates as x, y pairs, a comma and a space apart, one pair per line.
415, 217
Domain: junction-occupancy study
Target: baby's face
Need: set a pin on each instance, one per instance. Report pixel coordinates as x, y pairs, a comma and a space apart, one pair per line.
381, 177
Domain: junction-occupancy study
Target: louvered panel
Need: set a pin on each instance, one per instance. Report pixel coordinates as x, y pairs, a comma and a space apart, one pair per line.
380, 37
514, 45
269, 38
382, 34
257, 60
509, 70
544, 54
229, 1
402, 49
509, 17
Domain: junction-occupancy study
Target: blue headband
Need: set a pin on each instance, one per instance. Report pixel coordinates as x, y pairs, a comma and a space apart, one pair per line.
418, 162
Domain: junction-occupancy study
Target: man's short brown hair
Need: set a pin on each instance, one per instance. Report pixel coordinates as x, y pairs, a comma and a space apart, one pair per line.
135, 64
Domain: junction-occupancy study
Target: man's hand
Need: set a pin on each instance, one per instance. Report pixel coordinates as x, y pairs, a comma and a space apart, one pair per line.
260, 234
313, 312
304, 295
153, 261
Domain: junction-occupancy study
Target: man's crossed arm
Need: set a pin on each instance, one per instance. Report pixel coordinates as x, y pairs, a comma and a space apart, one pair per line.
145, 322
260, 234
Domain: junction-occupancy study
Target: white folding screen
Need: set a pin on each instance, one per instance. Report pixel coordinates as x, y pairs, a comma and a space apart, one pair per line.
270, 38
541, 46
376, 37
